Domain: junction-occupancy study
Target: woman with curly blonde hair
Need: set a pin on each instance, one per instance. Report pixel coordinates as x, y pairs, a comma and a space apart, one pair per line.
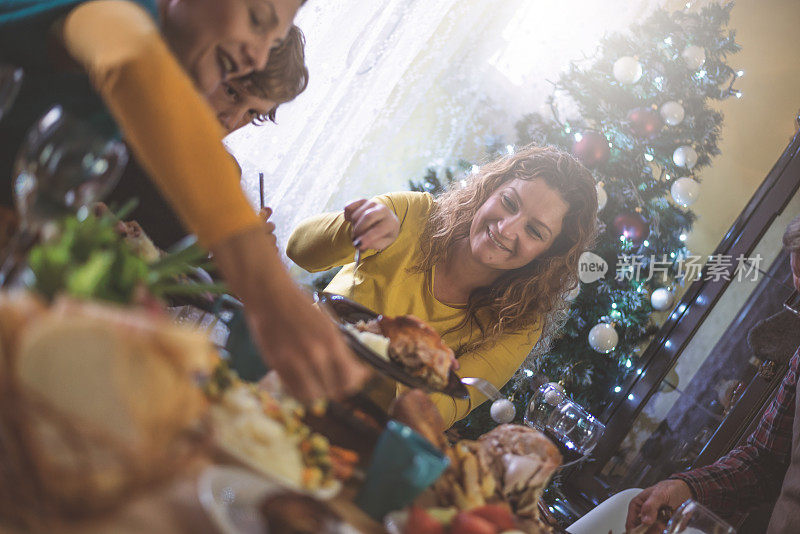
484, 264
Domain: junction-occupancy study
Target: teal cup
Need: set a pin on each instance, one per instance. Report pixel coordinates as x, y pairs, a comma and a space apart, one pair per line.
242, 354
403, 465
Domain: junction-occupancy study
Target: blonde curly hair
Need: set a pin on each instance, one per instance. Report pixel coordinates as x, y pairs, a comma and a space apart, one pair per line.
520, 297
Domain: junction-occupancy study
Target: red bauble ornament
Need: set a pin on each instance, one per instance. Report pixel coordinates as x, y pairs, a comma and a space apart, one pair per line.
633, 226
644, 122
591, 149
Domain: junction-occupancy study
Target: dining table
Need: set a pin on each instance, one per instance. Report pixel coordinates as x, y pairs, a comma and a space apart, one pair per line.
175, 508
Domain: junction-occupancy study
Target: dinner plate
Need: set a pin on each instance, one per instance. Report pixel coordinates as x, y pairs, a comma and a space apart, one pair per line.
232, 496
239, 457
348, 311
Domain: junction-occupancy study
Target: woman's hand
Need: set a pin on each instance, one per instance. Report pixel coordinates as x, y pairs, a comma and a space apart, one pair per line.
295, 338
374, 226
643, 509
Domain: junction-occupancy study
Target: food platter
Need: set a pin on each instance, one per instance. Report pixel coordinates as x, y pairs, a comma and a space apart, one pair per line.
346, 311
242, 458
264, 432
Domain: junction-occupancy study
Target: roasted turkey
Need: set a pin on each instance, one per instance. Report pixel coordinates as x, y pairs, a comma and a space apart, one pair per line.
414, 345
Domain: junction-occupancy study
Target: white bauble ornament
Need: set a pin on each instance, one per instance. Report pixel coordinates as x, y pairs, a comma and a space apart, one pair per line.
627, 70
554, 394
685, 191
502, 411
661, 299
603, 337
685, 156
672, 113
602, 197
573, 294
694, 56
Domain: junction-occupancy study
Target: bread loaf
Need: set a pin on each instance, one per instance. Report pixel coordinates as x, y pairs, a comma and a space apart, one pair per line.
98, 402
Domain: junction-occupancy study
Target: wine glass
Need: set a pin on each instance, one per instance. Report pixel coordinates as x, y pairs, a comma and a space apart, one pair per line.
544, 401
10, 84
64, 165
694, 518
574, 430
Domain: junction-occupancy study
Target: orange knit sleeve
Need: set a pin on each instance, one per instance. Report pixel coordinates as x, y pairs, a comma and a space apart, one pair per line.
169, 126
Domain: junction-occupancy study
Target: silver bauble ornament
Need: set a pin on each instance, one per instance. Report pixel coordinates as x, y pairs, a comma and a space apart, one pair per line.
661, 299
554, 393
627, 69
502, 411
603, 337
685, 156
685, 191
672, 113
573, 294
694, 56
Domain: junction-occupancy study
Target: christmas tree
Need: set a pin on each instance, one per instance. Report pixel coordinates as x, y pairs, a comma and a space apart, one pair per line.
642, 123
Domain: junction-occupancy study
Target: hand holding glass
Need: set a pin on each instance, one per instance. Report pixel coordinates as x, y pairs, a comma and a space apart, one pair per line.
693, 518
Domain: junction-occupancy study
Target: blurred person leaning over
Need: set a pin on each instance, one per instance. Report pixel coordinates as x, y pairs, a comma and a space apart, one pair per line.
143, 66
251, 99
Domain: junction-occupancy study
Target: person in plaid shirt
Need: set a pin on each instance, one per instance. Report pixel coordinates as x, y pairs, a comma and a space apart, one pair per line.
753, 473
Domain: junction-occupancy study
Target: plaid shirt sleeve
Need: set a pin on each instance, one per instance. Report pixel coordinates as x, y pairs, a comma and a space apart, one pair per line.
752, 473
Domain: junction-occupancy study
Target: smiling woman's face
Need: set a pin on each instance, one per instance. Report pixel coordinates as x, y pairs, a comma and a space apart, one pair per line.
218, 40
516, 224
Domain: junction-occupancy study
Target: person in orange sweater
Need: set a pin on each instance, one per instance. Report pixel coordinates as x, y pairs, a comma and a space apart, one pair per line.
237, 102
146, 66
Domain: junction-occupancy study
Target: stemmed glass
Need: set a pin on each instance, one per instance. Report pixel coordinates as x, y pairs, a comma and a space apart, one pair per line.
65, 164
10, 84
693, 518
574, 430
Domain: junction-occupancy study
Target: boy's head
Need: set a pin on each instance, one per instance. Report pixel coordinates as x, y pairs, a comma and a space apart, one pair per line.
256, 97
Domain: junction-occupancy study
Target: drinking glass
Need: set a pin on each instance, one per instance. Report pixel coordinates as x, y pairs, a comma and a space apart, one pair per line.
544, 401
693, 518
574, 430
10, 84
64, 164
